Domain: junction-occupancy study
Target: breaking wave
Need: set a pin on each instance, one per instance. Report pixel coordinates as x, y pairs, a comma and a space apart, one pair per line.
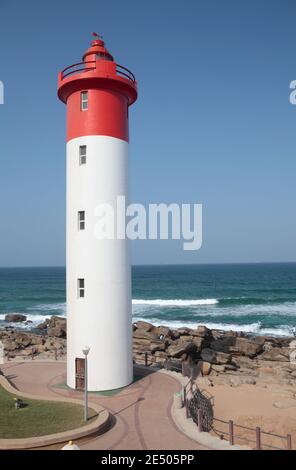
175, 302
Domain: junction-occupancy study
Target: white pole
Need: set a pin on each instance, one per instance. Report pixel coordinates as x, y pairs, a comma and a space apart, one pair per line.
85, 351
85, 391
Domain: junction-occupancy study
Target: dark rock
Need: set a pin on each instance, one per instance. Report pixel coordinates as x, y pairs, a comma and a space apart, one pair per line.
180, 347
15, 317
175, 334
184, 331
215, 357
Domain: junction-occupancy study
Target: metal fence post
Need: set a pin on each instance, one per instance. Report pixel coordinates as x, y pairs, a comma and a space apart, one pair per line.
191, 384
56, 354
146, 359
231, 433
258, 438
289, 442
200, 420
187, 408
32, 354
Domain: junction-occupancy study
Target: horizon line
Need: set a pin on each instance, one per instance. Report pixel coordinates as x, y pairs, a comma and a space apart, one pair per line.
162, 264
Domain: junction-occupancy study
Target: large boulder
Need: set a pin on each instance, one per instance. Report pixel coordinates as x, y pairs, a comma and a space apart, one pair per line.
15, 317
215, 357
10, 345
23, 339
164, 332
52, 322
200, 342
160, 357
157, 345
57, 331
244, 362
57, 326
184, 331
276, 354
144, 325
181, 347
202, 332
145, 334
141, 345
43, 325
237, 346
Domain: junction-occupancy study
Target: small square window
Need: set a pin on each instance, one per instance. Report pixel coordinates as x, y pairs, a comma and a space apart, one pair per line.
80, 286
82, 155
81, 220
84, 100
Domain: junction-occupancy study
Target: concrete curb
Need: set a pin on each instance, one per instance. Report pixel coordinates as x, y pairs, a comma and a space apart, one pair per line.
99, 426
188, 427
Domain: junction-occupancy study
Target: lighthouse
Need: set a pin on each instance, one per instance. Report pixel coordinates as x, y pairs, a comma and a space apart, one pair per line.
98, 93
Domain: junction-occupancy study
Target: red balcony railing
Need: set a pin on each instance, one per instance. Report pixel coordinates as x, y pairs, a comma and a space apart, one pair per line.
91, 65
72, 68
120, 70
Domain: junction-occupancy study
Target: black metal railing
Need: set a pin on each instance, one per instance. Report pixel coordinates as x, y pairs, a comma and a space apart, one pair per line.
120, 70
91, 65
72, 68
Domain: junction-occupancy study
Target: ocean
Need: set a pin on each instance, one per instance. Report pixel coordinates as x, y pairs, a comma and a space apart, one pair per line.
256, 298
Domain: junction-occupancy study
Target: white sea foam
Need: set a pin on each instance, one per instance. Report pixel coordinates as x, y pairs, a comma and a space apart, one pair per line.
282, 309
175, 302
147, 310
255, 328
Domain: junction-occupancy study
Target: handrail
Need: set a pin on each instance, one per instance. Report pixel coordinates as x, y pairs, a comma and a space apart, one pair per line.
127, 73
247, 428
257, 430
120, 70
77, 70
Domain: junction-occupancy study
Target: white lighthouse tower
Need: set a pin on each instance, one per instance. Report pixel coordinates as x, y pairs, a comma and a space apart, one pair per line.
97, 93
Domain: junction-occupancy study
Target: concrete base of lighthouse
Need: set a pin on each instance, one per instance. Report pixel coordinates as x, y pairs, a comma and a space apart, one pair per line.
102, 319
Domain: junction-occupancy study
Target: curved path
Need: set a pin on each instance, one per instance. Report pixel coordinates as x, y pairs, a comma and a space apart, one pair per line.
142, 411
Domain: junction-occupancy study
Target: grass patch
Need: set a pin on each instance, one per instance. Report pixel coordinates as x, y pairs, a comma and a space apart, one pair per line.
38, 417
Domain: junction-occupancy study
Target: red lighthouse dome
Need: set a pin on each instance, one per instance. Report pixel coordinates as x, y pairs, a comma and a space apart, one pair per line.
111, 89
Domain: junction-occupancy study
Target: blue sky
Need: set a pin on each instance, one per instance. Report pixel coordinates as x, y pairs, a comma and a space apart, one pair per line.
213, 123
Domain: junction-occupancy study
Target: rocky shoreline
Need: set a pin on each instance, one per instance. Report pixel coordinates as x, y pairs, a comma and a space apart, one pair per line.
218, 356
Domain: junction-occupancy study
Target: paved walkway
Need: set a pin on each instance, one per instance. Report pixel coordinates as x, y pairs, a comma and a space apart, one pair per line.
142, 411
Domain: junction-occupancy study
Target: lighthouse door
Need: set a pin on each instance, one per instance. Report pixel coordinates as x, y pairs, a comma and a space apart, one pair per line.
80, 373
